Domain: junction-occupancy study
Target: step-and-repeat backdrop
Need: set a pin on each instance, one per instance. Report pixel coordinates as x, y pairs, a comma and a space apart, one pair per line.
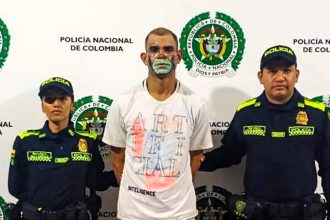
97, 46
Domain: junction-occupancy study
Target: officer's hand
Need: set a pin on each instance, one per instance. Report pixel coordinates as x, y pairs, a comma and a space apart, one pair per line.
106, 180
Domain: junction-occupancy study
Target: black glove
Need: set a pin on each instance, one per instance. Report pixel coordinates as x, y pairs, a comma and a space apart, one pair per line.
94, 204
107, 179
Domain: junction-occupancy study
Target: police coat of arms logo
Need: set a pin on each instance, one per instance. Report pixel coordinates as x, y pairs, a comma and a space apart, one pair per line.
212, 46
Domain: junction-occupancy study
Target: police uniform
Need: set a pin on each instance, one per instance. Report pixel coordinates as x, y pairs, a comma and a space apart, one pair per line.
50, 171
281, 144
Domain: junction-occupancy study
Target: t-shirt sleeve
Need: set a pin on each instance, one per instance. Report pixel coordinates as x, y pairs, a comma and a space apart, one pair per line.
114, 133
201, 137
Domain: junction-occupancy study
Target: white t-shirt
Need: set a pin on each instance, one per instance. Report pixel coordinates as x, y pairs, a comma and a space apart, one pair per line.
158, 135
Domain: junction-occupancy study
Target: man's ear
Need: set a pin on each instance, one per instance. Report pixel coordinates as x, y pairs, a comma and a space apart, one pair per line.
178, 57
42, 107
260, 76
144, 58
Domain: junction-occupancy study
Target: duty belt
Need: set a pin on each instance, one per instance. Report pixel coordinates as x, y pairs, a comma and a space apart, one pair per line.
311, 205
78, 212
283, 209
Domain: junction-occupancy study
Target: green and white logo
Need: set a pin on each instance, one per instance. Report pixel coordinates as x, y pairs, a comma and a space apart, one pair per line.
4, 42
212, 46
91, 113
325, 99
3, 207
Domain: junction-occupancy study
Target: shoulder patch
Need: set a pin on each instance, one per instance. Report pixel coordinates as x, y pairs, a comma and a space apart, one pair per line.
28, 133
87, 134
246, 104
314, 104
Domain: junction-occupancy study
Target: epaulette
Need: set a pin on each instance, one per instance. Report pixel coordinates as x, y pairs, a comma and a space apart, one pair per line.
28, 133
246, 104
87, 134
314, 104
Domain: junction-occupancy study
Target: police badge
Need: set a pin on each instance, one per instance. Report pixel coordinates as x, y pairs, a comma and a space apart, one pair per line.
301, 118
82, 145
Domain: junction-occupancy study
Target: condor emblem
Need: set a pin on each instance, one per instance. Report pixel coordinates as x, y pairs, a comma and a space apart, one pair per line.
301, 118
212, 45
82, 145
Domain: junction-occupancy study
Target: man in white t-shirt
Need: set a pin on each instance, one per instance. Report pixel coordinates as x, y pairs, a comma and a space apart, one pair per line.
157, 132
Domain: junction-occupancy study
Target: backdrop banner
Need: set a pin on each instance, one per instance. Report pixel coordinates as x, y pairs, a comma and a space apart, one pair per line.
97, 45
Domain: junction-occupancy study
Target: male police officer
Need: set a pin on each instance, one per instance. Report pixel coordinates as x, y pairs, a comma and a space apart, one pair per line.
282, 134
51, 166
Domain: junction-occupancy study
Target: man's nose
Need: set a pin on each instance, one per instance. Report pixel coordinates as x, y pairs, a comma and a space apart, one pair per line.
279, 75
162, 54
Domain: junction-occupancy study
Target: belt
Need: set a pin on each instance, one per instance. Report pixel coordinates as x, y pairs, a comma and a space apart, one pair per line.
283, 209
31, 212
78, 212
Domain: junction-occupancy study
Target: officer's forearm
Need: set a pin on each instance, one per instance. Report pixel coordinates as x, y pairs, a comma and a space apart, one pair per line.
221, 157
118, 160
195, 161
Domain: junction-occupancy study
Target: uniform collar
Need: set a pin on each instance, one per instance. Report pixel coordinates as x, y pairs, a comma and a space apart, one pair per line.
46, 132
296, 101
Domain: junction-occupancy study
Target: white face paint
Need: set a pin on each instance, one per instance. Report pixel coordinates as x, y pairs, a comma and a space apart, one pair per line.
162, 66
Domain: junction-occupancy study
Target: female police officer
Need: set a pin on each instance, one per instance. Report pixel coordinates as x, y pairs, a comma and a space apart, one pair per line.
51, 167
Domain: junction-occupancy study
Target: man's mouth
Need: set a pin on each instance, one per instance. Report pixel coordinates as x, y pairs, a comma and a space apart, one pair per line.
279, 86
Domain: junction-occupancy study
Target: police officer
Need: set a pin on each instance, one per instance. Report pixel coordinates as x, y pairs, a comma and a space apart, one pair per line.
50, 167
282, 134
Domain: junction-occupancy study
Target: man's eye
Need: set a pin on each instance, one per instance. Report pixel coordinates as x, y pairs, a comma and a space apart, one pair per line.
169, 49
153, 49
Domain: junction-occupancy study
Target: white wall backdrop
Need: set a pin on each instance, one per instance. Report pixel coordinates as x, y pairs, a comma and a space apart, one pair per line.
44, 32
